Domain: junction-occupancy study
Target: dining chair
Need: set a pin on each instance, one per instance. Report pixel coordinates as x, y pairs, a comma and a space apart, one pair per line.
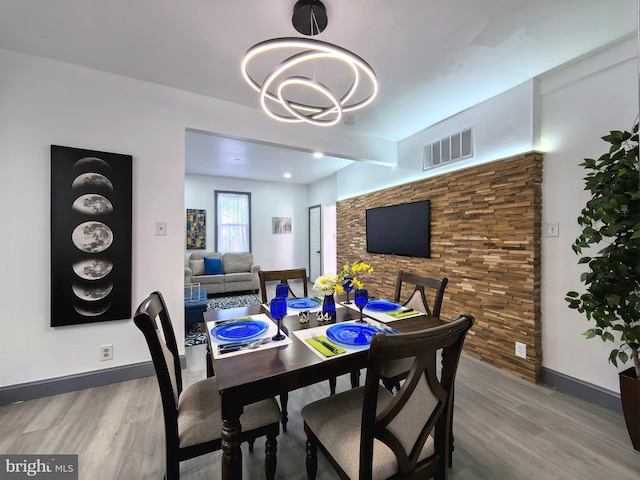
395, 371
192, 416
368, 432
283, 276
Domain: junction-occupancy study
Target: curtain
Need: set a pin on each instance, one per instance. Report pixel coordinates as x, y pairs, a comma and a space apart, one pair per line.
233, 222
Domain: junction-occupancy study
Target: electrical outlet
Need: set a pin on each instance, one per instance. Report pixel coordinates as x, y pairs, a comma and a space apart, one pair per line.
106, 352
521, 350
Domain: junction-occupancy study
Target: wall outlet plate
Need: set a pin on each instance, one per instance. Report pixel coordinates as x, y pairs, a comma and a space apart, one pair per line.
521, 350
106, 352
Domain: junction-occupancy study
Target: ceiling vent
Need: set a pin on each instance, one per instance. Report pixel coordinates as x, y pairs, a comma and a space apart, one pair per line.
453, 148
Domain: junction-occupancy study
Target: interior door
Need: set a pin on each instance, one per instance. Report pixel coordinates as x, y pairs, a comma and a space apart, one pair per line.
315, 242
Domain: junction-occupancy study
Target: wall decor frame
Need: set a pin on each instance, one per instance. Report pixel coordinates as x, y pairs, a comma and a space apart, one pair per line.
281, 225
90, 236
196, 229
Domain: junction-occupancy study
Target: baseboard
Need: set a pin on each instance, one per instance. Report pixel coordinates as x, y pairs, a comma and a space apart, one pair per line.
79, 381
582, 390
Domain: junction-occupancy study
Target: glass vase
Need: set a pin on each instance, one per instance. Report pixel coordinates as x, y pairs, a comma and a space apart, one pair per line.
329, 307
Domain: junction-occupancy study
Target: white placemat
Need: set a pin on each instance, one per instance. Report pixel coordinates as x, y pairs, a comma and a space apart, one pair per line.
295, 311
381, 316
272, 329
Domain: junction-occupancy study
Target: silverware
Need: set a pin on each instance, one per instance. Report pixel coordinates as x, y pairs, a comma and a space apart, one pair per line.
230, 347
326, 344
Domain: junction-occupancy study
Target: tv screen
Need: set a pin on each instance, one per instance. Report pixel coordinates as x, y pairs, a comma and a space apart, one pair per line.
399, 229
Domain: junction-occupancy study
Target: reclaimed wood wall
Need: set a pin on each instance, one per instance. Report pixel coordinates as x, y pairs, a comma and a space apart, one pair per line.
485, 237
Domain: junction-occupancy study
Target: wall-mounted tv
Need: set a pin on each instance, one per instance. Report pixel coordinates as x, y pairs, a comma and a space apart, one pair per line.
399, 229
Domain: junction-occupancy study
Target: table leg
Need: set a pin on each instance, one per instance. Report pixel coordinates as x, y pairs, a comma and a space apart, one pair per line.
231, 453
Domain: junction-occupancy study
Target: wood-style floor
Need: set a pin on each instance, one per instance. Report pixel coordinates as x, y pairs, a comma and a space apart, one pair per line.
504, 427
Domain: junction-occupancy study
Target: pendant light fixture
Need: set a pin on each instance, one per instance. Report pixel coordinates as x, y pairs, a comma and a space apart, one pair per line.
315, 81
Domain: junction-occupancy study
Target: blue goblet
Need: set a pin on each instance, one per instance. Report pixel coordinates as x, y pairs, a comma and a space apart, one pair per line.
361, 298
282, 290
278, 310
348, 286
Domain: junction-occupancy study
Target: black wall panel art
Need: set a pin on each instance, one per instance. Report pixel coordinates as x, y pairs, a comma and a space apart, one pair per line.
90, 236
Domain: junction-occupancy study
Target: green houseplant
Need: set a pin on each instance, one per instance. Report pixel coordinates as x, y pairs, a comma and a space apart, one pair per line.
611, 221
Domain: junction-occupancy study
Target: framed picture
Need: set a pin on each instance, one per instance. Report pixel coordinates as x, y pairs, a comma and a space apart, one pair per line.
196, 229
90, 236
281, 224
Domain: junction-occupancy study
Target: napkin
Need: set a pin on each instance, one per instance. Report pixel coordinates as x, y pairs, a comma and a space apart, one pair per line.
322, 349
403, 313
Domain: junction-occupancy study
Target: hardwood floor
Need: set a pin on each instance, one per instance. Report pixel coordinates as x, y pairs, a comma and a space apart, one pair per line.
504, 427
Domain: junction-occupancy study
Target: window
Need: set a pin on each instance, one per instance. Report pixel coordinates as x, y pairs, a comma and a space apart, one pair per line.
233, 221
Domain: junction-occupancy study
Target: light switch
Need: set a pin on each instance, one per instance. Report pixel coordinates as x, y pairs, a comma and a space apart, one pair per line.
553, 229
161, 229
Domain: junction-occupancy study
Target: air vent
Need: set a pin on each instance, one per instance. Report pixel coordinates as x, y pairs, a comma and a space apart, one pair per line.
454, 148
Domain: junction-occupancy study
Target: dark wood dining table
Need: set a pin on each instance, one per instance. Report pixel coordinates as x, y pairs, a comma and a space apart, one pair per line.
256, 375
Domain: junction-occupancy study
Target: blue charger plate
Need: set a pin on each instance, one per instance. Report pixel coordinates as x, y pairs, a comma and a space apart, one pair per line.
302, 303
242, 330
382, 305
350, 334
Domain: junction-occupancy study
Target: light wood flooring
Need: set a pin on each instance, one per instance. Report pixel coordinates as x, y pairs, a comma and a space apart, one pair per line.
504, 427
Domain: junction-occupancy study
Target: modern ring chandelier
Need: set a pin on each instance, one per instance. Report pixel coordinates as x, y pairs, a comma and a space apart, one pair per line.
295, 90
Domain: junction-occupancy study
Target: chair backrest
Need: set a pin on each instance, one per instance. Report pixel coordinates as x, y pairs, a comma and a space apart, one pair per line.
164, 354
419, 298
283, 276
423, 403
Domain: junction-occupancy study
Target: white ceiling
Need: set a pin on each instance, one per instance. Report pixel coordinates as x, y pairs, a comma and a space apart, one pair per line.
433, 58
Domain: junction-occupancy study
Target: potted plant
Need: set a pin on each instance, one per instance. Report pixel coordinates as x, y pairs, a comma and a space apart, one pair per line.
611, 221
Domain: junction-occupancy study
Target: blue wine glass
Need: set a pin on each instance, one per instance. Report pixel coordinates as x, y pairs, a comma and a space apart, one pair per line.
348, 286
282, 290
278, 310
361, 298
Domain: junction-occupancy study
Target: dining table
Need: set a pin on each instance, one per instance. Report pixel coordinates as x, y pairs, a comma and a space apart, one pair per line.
263, 373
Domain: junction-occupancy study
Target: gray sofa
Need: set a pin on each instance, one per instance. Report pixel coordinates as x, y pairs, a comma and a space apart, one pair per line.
239, 273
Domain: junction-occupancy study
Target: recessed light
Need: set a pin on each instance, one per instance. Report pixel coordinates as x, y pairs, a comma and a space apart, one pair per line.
318, 154
287, 175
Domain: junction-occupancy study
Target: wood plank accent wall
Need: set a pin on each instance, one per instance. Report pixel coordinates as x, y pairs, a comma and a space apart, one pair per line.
485, 237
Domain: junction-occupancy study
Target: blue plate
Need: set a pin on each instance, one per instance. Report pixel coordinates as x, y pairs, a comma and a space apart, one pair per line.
350, 334
302, 303
241, 330
382, 305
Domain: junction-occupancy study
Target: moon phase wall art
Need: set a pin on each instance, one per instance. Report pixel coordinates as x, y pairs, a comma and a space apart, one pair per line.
90, 236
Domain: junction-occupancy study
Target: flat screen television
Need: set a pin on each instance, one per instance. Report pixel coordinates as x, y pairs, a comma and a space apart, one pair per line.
399, 229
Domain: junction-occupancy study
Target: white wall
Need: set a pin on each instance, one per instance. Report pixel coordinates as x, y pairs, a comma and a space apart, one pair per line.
270, 251
580, 104
503, 125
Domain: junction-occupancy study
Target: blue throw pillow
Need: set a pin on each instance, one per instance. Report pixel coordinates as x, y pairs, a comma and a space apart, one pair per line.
213, 266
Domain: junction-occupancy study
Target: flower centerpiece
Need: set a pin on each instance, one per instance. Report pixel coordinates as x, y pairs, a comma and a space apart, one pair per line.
340, 283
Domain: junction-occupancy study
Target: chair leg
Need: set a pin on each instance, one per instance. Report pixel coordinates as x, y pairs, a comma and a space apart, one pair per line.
312, 459
332, 386
355, 378
251, 442
270, 457
284, 400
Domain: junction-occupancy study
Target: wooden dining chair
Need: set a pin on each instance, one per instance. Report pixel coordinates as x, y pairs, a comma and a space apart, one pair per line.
192, 416
425, 288
419, 298
283, 276
369, 432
